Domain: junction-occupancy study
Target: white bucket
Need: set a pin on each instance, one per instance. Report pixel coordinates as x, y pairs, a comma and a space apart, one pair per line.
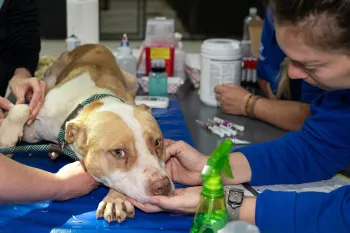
221, 63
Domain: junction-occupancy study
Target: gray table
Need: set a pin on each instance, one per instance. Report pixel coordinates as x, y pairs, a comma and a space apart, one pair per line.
192, 109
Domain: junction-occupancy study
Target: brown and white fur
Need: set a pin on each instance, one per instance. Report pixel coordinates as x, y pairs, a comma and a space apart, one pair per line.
120, 144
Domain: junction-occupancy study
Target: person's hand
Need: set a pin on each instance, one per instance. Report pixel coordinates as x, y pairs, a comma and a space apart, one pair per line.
31, 89
75, 181
184, 200
231, 98
4, 104
183, 163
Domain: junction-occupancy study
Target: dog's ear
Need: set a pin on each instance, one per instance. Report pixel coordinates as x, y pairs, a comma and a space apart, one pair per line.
144, 107
75, 133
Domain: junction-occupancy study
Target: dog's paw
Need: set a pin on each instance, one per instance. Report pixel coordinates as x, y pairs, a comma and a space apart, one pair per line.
115, 207
11, 129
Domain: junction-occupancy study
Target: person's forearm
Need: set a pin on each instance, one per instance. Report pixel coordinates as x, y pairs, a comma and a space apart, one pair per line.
20, 183
22, 72
247, 211
240, 169
288, 115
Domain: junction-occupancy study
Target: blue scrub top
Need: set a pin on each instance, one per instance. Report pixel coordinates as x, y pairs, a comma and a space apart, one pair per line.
269, 62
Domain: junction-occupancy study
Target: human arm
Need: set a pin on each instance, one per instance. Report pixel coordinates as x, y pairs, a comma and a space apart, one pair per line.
24, 44
20, 183
303, 212
24, 36
288, 115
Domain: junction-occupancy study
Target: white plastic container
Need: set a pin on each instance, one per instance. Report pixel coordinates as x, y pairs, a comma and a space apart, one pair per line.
83, 20
221, 63
239, 227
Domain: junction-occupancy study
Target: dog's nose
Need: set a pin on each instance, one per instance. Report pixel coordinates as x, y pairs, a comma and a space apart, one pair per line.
161, 187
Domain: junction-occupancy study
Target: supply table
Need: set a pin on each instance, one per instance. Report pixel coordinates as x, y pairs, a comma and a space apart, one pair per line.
78, 215
192, 108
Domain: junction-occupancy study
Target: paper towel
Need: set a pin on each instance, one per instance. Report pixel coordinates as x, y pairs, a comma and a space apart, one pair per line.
83, 20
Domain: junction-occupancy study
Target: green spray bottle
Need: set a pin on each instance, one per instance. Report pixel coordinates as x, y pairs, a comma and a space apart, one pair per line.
211, 215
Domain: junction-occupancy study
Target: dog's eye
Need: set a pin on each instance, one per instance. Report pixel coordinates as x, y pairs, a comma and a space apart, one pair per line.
158, 143
119, 153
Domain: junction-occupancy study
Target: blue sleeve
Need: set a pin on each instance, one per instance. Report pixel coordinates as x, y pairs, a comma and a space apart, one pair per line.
308, 92
317, 152
303, 212
270, 54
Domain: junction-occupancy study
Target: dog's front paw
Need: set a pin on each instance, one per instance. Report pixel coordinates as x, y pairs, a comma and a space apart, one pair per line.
11, 129
115, 207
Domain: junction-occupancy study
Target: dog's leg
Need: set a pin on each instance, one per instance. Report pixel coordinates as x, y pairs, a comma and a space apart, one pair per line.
11, 129
52, 73
132, 85
115, 207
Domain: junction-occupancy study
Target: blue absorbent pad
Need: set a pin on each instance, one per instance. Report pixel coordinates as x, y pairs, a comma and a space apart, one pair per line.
78, 215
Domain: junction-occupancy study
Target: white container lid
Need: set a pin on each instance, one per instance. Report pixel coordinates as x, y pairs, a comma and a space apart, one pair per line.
222, 48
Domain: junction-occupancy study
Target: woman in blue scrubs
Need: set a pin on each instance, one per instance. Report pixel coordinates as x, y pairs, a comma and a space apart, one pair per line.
315, 36
286, 113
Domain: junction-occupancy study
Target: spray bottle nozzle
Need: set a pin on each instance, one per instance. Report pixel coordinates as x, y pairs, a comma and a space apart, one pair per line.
217, 162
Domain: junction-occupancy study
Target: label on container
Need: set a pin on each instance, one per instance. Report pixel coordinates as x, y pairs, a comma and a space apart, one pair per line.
223, 72
160, 53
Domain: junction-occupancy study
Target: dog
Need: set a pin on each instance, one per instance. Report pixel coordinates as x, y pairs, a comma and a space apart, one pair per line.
118, 142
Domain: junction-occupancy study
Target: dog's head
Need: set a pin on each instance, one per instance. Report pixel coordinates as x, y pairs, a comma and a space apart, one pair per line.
122, 147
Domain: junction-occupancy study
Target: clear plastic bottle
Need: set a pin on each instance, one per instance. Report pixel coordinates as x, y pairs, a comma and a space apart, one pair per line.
124, 58
246, 40
158, 79
253, 15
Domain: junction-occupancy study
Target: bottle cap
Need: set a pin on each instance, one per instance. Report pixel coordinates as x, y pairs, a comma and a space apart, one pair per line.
253, 11
124, 42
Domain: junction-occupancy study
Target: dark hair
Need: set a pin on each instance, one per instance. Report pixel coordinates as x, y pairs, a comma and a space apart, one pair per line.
322, 23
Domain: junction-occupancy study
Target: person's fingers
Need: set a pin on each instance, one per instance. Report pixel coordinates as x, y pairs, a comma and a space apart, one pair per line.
5, 103
1, 116
44, 87
173, 149
168, 142
218, 89
218, 97
29, 95
175, 203
37, 94
20, 95
147, 207
35, 111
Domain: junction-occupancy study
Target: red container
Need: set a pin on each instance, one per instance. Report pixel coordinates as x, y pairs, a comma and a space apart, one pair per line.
160, 53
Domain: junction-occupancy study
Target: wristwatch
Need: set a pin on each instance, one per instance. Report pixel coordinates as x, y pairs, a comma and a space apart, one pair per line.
234, 203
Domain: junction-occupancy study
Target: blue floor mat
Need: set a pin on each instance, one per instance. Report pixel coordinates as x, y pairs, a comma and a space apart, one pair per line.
78, 215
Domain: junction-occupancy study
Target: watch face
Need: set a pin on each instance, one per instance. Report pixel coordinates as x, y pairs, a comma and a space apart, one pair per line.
236, 196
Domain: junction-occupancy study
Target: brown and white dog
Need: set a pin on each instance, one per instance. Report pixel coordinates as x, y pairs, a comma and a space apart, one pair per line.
120, 143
